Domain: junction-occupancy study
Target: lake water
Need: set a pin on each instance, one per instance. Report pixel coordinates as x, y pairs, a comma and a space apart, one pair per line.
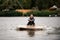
9, 24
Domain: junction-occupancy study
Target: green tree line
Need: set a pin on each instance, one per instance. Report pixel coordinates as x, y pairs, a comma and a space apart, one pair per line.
28, 4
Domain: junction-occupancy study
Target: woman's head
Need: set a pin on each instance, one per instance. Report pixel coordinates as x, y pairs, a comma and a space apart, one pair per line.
31, 16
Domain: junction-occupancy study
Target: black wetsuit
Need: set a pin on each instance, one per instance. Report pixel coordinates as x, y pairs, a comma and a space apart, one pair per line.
31, 21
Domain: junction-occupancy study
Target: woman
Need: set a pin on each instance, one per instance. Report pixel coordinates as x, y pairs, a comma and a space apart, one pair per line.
31, 20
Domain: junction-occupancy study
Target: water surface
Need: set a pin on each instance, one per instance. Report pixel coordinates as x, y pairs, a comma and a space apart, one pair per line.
9, 24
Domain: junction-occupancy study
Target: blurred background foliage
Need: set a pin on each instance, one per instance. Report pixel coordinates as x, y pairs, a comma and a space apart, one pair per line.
28, 4
40, 7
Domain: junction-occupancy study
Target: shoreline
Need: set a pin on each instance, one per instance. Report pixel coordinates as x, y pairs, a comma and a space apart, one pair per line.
26, 16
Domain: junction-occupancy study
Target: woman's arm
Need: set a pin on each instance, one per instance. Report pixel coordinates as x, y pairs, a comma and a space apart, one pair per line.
31, 20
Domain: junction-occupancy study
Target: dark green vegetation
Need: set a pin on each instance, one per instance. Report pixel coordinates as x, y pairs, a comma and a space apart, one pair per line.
10, 13
28, 4
6, 7
42, 13
35, 13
